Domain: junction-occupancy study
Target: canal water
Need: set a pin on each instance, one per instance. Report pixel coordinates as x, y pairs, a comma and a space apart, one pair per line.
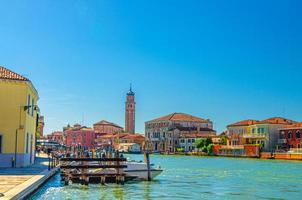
186, 177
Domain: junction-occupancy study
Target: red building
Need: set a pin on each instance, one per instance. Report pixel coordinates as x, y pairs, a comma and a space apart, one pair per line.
290, 137
57, 137
40, 127
80, 136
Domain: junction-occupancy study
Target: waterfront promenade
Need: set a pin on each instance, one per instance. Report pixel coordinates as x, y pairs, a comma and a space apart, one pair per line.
17, 183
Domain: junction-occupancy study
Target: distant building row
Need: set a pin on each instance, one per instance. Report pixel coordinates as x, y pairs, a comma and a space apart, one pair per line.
269, 135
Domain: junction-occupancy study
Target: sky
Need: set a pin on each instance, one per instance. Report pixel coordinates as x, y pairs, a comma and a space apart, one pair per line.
220, 60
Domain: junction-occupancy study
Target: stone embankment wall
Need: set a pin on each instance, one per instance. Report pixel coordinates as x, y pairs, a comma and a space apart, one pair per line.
281, 156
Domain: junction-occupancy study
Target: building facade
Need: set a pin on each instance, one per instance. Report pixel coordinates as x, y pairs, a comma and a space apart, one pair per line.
290, 137
105, 127
18, 119
80, 136
130, 112
264, 133
57, 136
163, 134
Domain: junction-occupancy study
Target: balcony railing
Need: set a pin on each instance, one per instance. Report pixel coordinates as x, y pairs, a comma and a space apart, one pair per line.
254, 136
232, 147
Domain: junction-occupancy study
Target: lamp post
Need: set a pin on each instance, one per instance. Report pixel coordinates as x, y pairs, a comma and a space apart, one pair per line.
21, 127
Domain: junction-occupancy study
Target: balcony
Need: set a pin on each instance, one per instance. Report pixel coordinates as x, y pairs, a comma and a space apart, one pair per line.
254, 136
282, 141
232, 147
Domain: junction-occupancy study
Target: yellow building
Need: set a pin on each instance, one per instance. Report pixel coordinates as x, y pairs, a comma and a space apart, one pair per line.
18, 119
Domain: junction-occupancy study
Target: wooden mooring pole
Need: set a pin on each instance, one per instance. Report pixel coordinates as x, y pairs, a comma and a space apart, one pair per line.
147, 161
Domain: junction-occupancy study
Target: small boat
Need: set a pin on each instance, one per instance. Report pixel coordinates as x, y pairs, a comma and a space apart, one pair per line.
140, 170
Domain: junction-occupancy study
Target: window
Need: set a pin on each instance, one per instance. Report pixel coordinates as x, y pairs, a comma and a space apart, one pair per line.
259, 130
253, 130
189, 140
28, 103
193, 140
32, 107
298, 134
289, 135
0, 143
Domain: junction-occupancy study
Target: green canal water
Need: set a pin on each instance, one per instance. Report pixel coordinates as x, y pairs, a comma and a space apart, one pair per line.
187, 177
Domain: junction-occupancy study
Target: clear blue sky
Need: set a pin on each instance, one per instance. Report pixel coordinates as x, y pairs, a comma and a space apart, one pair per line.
223, 60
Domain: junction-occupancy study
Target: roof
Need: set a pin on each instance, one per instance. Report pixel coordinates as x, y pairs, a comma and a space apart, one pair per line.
134, 136
277, 120
10, 75
293, 126
57, 133
130, 91
104, 122
244, 123
180, 117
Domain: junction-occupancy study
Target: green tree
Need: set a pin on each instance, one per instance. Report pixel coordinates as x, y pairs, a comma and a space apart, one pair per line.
205, 145
200, 143
38, 131
223, 139
210, 148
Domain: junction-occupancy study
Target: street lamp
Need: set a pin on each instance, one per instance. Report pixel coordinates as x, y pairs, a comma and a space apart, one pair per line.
25, 108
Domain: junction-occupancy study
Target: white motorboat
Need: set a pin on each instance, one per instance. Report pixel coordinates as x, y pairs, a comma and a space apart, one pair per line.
140, 170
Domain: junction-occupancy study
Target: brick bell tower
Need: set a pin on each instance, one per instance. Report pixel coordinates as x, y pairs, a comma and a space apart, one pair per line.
130, 112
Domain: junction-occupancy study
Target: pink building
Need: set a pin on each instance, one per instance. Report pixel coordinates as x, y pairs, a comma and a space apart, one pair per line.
80, 136
57, 137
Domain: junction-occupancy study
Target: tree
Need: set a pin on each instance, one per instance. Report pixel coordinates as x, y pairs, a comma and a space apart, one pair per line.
38, 133
224, 140
205, 145
210, 148
181, 150
200, 143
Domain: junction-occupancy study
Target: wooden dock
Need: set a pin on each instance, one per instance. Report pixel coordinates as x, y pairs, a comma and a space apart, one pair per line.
93, 170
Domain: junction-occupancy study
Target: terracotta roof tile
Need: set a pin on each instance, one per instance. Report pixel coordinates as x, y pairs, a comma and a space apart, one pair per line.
244, 123
293, 126
10, 75
277, 120
134, 136
180, 117
104, 122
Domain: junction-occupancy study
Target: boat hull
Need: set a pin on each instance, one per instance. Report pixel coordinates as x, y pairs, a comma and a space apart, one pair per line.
143, 174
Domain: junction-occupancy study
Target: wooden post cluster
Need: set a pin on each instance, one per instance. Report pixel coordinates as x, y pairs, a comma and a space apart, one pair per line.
80, 170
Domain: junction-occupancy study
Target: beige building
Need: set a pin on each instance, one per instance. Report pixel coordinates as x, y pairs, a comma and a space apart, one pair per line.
264, 133
103, 127
163, 134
